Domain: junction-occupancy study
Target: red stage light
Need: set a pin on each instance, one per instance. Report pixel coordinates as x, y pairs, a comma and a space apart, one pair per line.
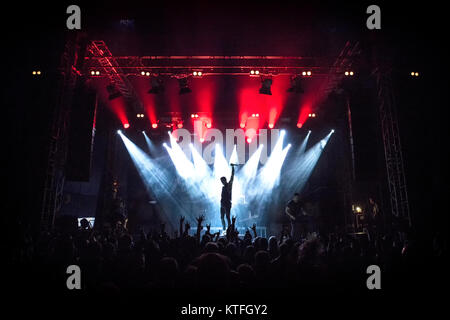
126, 125
257, 115
192, 115
180, 125
299, 125
242, 125
154, 125
271, 125
208, 125
249, 140
202, 140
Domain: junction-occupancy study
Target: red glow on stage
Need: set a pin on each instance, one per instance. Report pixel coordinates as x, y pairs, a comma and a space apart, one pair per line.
299, 125
304, 114
126, 125
180, 125
154, 125
255, 109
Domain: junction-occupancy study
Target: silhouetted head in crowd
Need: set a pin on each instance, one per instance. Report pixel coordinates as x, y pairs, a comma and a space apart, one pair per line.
213, 271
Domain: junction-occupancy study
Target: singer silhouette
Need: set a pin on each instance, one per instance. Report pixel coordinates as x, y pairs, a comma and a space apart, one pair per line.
225, 201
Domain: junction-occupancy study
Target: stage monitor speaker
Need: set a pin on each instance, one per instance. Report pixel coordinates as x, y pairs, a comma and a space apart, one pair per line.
81, 132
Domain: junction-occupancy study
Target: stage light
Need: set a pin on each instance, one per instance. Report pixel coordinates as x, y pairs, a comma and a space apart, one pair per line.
184, 86
209, 125
265, 87
332, 130
252, 72
157, 85
412, 74
180, 125
296, 85
271, 125
113, 92
242, 125
154, 125
143, 131
197, 73
416, 74
126, 125
97, 73
257, 115
253, 115
351, 73
139, 115
358, 209
202, 140
308, 73
92, 73
346, 73
304, 73
165, 145
119, 131
249, 140
313, 115
34, 72
299, 125
283, 133
194, 73
143, 73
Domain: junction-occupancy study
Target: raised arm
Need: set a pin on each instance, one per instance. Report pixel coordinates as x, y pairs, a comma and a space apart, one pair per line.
232, 177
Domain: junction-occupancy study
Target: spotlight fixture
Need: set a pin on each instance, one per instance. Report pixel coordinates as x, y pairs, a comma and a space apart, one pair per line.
299, 125
154, 125
194, 115
348, 73
249, 140
197, 73
296, 85
139, 115
414, 74
119, 131
202, 140
242, 125
157, 85
265, 86
126, 125
180, 125
271, 125
312, 115
306, 73
208, 125
184, 86
254, 72
113, 92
